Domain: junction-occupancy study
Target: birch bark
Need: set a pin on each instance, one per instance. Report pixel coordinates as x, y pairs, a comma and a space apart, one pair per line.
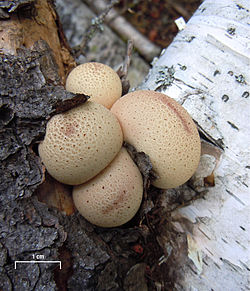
206, 69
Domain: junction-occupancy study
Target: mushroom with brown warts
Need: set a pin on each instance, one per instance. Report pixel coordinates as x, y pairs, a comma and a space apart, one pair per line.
96, 80
114, 196
80, 143
159, 126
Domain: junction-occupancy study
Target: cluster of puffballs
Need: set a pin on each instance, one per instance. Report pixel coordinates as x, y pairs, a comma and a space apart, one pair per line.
83, 147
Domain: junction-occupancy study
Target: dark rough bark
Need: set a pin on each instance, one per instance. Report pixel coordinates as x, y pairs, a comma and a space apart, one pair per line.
27, 99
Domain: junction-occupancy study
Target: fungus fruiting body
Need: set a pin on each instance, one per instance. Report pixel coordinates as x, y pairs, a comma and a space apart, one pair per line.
80, 143
96, 80
159, 126
112, 197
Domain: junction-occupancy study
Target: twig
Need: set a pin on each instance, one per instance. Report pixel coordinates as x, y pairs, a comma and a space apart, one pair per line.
123, 70
180, 10
96, 25
119, 24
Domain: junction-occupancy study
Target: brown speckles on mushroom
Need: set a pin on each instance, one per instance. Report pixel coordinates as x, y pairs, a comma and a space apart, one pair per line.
112, 197
159, 126
75, 148
96, 80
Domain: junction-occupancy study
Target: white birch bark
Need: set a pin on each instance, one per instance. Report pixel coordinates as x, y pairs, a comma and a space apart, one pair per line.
207, 70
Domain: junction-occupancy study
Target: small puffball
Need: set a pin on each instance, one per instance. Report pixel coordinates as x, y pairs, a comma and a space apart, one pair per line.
96, 80
159, 126
80, 143
114, 196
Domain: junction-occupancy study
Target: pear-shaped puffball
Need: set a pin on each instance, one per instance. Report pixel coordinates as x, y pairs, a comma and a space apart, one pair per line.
80, 143
96, 80
114, 196
159, 126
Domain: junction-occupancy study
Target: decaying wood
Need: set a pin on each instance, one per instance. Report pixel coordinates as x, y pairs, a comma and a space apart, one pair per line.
32, 21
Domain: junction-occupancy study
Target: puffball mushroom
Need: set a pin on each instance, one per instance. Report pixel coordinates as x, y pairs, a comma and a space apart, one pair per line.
96, 80
114, 196
80, 143
159, 126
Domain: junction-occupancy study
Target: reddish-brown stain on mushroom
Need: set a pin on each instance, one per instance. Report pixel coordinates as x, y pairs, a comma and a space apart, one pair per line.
115, 204
75, 147
113, 197
159, 126
170, 104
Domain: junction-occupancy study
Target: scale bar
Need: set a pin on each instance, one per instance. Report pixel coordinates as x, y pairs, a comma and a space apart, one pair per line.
32, 262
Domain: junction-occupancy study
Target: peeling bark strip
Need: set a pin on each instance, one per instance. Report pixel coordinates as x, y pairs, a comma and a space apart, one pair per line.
214, 88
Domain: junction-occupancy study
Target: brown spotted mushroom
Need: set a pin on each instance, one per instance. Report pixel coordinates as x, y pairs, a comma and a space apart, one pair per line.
80, 143
114, 196
159, 126
96, 80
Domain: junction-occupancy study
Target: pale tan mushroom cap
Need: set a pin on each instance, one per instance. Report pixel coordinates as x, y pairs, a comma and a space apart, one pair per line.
80, 143
114, 196
96, 80
159, 126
